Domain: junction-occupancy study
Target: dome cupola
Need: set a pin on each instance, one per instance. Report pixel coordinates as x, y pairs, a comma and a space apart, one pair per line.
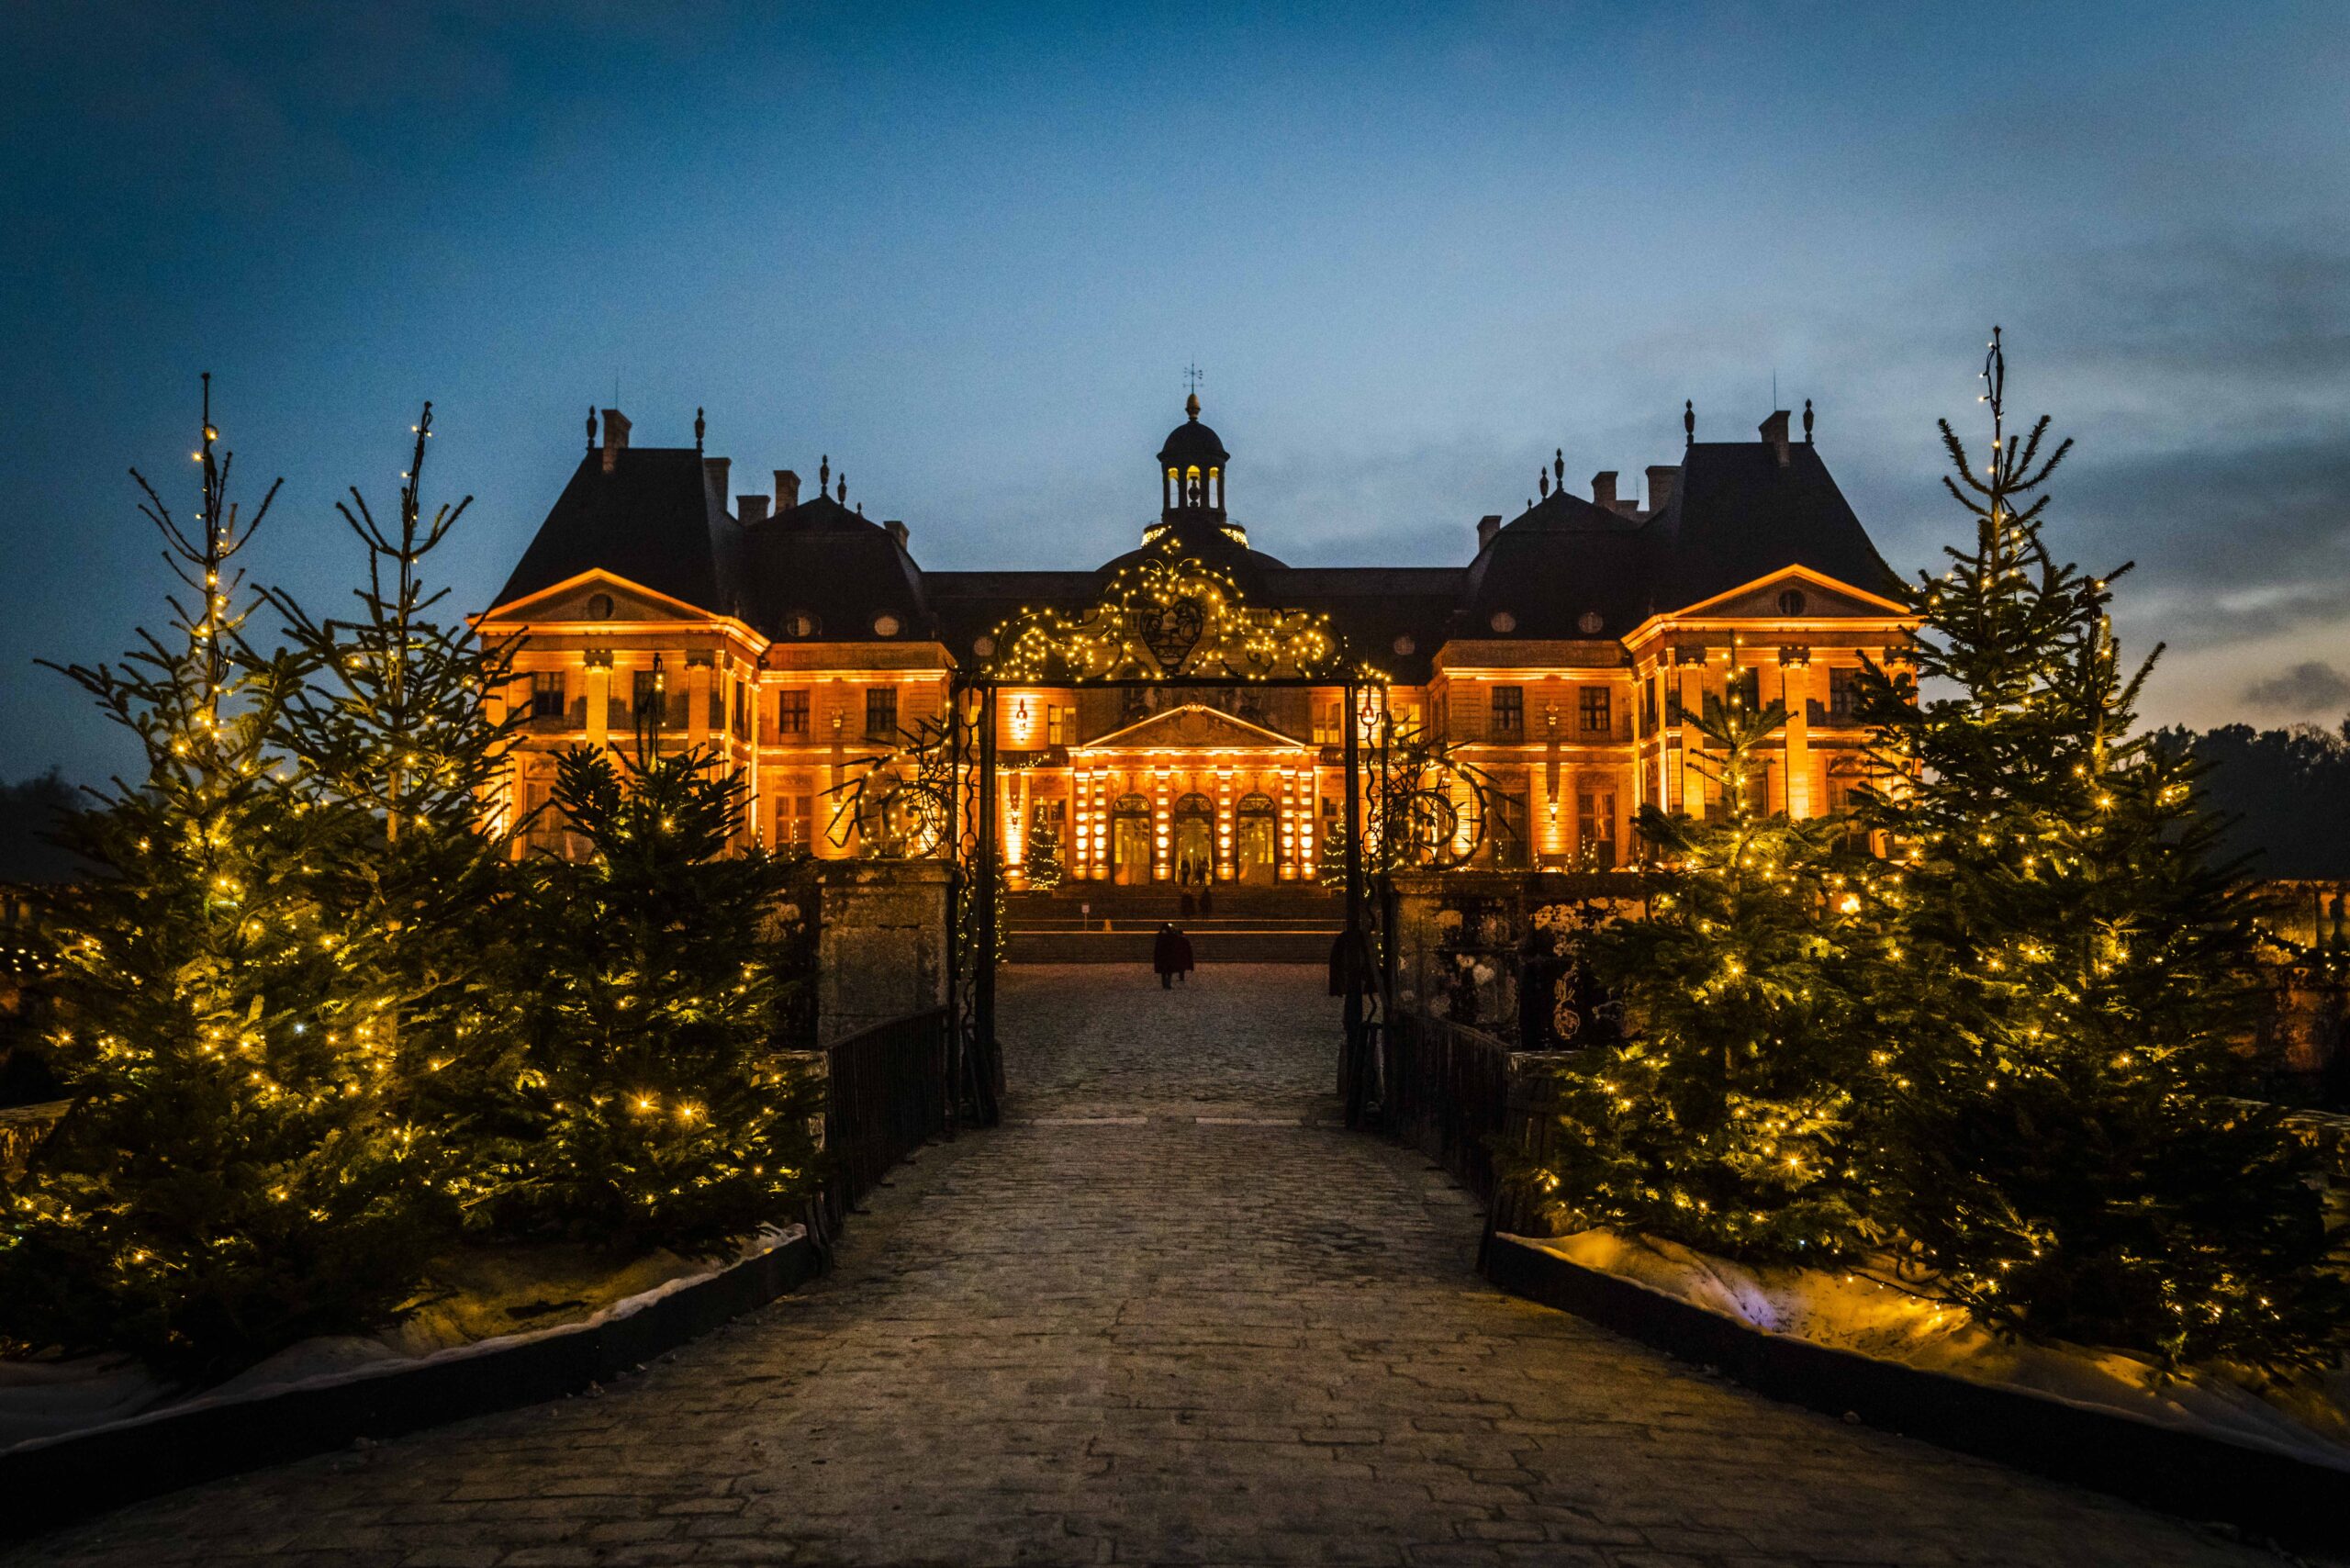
1191, 470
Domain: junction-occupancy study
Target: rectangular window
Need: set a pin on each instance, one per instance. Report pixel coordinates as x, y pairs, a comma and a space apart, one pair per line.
547, 694
1508, 713
881, 713
644, 693
1672, 702
1744, 687
1056, 725
1596, 720
740, 728
1839, 696
795, 820
1647, 703
791, 713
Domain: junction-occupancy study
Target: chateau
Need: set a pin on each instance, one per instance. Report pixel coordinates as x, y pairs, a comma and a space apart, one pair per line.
1564, 656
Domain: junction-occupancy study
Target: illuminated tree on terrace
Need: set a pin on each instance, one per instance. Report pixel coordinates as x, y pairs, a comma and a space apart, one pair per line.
646, 1105
1726, 1118
232, 1176
2070, 974
398, 747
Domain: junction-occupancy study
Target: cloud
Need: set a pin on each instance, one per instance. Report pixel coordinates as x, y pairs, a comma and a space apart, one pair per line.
2306, 687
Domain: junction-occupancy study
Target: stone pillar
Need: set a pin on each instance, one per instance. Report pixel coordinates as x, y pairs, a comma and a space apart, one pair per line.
698, 700
1692, 679
882, 944
1794, 690
599, 700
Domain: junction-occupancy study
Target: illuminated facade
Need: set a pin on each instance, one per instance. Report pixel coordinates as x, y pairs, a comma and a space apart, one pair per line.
1564, 659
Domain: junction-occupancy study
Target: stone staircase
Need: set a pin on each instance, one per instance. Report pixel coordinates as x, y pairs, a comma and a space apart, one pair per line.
1098, 924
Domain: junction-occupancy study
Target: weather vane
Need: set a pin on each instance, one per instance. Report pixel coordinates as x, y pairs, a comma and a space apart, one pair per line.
1192, 377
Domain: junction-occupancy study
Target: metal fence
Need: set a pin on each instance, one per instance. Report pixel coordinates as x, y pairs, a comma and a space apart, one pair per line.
886, 1097
1447, 1095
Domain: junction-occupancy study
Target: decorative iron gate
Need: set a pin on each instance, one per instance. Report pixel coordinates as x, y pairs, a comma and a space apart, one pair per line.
1171, 622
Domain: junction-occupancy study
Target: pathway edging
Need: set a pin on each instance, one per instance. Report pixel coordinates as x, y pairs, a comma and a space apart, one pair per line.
65, 1478
2182, 1472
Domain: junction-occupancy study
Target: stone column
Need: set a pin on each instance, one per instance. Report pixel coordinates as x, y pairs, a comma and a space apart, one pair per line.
600, 698
1692, 679
881, 945
698, 700
1794, 690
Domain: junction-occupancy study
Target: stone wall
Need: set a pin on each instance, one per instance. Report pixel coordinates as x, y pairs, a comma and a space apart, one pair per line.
881, 950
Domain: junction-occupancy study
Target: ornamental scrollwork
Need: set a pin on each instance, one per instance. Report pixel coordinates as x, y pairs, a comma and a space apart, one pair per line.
1164, 618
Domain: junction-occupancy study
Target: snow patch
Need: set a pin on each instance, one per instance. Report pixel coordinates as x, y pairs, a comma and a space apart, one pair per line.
46, 1401
2307, 1420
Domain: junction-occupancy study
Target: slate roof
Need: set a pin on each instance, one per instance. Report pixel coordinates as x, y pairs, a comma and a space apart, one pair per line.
653, 519
837, 569
1558, 561
1735, 515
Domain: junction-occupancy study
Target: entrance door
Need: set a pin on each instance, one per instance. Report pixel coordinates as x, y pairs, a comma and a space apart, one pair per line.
1253, 841
1130, 842
1195, 840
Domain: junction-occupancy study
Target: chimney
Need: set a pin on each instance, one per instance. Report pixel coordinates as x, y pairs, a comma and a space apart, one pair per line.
1663, 479
787, 491
750, 510
1603, 489
1774, 431
897, 531
615, 438
716, 469
1487, 526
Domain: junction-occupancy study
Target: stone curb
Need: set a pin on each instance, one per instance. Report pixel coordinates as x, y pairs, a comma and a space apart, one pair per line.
2186, 1473
51, 1483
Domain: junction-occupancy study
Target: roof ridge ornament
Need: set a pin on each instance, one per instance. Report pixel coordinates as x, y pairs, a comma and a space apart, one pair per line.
699, 427
1807, 422
1689, 420
591, 427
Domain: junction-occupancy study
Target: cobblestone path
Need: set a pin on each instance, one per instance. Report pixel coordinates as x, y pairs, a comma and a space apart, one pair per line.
1167, 1314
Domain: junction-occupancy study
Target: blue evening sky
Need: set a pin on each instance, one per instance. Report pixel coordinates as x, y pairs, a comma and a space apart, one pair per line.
966, 250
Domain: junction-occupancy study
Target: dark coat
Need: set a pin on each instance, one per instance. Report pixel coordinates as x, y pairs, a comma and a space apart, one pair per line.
1171, 953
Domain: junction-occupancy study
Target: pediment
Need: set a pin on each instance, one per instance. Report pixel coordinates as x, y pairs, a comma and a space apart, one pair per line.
598, 596
1194, 725
1824, 598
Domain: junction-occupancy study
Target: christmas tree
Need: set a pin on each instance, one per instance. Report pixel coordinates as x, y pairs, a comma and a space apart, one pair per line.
1043, 861
1725, 1117
648, 1106
398, 745
234, 1174
2069, 975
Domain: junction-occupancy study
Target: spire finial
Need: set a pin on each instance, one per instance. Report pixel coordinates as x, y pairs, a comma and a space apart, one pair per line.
1807, 422
1542, 480
699, 427
841, 493
1192, 407
591, 427
825, 474
1689, 420
1558, 465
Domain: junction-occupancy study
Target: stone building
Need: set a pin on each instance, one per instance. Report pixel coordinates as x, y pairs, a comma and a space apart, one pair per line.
1565, 656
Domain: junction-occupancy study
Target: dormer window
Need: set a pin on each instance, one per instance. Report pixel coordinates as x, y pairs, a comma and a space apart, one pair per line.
1791, 601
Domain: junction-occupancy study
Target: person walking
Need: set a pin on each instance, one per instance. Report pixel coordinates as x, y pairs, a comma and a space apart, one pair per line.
1170, 955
